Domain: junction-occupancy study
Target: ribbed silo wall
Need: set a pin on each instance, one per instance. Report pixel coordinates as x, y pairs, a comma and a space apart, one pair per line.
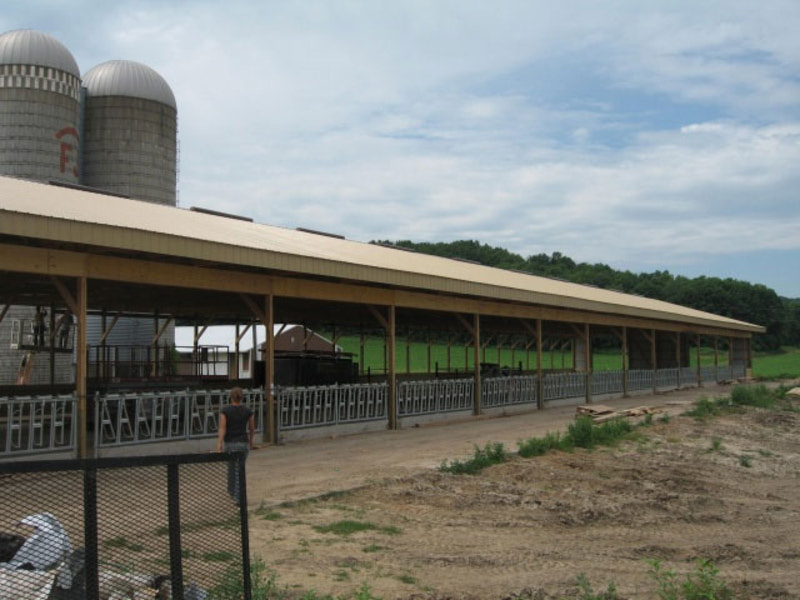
39, 121
39, 129
130, 147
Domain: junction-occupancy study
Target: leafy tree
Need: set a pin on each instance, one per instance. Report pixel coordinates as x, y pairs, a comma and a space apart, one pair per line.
754, 303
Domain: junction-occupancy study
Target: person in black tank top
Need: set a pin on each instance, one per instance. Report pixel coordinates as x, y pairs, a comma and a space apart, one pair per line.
236, 431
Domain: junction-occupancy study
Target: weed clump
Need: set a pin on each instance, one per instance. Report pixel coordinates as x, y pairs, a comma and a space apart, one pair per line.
539, 446
492, 453
703, 583
584, 433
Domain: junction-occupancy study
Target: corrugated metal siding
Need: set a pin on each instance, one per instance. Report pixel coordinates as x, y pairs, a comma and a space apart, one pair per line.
77, 216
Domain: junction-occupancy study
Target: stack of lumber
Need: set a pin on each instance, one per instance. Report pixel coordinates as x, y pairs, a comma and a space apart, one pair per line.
600, 412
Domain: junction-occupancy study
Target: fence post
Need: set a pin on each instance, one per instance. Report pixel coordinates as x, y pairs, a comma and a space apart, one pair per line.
91, 570
240, 458
174, 526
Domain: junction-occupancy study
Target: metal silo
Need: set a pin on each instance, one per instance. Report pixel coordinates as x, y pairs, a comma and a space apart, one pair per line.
40, 92
130, 132
39, 139
130, 147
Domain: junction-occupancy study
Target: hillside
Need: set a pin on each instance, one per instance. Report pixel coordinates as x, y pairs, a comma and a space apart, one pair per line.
754, 303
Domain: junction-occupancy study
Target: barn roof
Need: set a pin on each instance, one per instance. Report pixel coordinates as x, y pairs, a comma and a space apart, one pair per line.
64, 216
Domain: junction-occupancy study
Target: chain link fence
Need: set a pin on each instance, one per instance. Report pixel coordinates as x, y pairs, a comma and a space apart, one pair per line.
124, 528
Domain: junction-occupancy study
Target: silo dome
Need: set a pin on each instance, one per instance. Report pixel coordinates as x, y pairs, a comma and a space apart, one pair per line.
130, 132
130, 147
40, 93
128, 78
29, 47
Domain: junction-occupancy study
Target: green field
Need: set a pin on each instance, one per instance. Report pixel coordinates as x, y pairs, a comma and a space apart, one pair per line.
414, 358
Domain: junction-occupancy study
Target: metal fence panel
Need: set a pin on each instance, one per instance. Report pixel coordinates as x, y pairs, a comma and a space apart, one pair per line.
606, 382
667, 378
432, 396
640, 379
507, 391
146, 417
303, 407
564, 385
153, 527
37, 424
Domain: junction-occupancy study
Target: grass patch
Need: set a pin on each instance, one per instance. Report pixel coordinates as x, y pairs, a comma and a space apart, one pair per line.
585, 433
758, 396
407, 579
703, 583
539, 446
373, 548
347, 527
492, 453
716, 444
746, 461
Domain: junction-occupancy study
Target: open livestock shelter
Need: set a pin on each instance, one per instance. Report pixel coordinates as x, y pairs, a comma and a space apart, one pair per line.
77, 253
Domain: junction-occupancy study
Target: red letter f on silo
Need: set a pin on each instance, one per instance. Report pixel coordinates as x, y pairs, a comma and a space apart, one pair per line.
67, 148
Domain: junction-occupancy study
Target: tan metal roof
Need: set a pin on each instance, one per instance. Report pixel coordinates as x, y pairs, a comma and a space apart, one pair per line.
74, 216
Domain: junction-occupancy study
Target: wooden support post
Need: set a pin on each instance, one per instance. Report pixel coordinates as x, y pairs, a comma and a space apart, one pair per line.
587, 354
653, 360
52, 344
408, 353
730, 353
699, 369
254, 354
476, 334
429, 354
716, 359
81, 367
361, 348
392, 375
269, 429
539, 372
678, 356
624, 361
236, 352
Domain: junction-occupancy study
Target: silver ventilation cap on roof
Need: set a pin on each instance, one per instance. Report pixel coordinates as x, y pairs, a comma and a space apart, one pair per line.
128, 78
29, 47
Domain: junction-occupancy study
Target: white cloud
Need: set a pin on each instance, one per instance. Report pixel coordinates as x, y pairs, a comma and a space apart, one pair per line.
639, 132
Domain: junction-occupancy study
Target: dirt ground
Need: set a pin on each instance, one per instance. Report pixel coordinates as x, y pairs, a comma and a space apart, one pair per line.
724, 490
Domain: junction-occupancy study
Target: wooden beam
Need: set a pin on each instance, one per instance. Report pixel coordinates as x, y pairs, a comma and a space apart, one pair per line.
243, 332
384, 322
625, 365
199, 331
391, 334
269, 429
476, 328
539, 372
66, 294
64, 263
466, 324
163, 328
258, 312
81, 368
107, 330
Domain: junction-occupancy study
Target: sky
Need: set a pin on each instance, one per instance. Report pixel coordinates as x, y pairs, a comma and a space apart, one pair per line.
644, 135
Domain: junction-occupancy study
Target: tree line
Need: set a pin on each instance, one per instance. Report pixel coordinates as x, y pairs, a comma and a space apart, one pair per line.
754, 303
